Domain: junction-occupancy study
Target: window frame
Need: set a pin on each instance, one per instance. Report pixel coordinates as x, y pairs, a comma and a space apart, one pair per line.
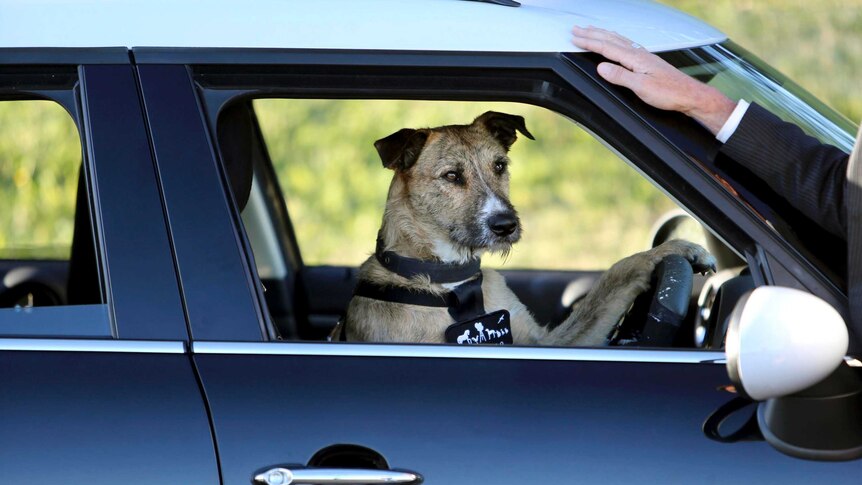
60, 84
221, 76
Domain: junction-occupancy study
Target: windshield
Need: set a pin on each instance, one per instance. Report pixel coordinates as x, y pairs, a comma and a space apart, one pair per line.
740, 75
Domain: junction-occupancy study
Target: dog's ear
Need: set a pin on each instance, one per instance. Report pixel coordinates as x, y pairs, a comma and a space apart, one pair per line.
502, 126
400, 150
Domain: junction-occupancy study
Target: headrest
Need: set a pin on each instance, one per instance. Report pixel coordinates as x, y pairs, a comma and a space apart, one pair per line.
236, 138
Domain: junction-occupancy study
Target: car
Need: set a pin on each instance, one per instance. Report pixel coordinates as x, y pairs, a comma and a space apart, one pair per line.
189, 190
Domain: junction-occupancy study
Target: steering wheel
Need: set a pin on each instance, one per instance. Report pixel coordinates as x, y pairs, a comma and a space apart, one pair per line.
657, 314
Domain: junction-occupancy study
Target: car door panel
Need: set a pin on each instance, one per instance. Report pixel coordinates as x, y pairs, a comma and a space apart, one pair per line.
123, 404
468, 421
455, 415
102, 417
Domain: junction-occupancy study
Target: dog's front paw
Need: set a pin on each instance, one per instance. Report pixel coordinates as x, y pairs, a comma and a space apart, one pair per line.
700, 259
635, 272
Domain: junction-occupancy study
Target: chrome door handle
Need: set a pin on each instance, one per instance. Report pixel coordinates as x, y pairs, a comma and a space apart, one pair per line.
340, 476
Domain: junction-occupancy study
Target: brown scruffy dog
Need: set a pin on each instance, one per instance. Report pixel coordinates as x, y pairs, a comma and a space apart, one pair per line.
448, 204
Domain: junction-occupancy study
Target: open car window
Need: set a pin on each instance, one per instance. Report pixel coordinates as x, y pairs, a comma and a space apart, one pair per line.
317, 196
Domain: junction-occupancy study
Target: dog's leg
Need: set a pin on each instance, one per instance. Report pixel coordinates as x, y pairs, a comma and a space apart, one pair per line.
593, 318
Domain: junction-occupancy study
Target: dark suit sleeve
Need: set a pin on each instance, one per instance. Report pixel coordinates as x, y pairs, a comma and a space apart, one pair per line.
810, 175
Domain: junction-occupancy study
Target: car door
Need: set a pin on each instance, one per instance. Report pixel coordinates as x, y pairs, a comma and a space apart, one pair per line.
96, 385
454, 415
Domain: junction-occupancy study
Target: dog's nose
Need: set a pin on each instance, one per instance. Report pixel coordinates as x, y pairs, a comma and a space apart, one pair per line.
503, 224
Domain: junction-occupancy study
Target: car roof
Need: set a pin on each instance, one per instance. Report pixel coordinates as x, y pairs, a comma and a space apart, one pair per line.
440, 25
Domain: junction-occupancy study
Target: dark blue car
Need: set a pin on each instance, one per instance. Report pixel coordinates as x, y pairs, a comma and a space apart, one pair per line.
170, 325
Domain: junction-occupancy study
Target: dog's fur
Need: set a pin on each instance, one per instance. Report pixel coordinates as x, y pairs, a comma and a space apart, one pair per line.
433, 215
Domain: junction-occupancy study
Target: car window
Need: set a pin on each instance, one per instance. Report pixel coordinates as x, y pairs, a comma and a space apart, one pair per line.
741, 75
50, 280
581, 207
315, 204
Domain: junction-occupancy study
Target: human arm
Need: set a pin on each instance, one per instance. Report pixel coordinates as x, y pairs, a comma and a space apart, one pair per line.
653, 80
809, 174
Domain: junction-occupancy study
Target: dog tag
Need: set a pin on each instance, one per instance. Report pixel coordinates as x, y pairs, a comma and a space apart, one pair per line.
492, 328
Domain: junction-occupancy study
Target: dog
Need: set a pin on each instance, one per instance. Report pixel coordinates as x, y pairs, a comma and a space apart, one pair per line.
448, 203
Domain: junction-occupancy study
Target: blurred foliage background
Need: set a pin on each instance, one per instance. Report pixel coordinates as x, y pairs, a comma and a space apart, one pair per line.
584, 213
40, 155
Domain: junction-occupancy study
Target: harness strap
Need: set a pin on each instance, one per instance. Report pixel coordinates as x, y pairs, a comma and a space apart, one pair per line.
397, 294
438, 272
464, 302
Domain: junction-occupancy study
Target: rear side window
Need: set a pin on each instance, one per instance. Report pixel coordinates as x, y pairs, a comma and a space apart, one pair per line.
50, 282
581, 207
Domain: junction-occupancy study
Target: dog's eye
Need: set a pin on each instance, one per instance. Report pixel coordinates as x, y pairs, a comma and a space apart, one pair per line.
452, 176
499, 166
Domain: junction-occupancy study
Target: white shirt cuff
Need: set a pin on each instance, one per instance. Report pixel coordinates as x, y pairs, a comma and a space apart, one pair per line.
733, 122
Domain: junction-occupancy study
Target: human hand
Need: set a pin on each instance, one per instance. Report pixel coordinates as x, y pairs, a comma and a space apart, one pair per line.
652, 79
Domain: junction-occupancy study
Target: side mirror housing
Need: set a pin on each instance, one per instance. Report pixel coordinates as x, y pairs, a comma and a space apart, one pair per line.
782, 340
787, 347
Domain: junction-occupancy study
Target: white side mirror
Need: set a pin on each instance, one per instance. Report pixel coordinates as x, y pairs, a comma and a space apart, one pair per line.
781, 341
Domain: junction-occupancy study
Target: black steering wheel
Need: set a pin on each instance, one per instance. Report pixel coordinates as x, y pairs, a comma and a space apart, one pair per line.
657, 314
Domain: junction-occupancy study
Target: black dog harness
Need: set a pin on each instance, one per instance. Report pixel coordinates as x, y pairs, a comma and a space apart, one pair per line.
464, 302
